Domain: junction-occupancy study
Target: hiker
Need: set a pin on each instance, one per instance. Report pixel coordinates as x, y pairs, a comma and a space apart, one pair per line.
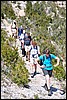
20, 31
14, 29
33, 55
22, 43
27, 43
47, 67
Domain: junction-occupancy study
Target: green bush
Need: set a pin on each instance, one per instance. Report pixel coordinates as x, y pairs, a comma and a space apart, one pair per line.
3, 36
15, 67
41, 21
59, 72
36, 96
19, 73
7, 9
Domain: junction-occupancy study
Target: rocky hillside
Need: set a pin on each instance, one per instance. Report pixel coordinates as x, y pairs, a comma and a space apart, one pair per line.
56, 21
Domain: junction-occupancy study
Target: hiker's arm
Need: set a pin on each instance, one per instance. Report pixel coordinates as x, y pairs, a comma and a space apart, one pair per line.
38, 51
38, 63
58, 60
37, 60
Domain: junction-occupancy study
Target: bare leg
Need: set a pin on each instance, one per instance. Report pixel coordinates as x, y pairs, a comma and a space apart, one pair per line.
48, 84
35, 66
48, 81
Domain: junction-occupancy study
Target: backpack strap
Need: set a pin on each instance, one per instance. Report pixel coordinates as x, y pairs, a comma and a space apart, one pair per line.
45, 58
32, 48
50, 57
37, 49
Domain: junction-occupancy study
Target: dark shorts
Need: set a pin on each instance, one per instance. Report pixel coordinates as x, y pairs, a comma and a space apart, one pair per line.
48, 72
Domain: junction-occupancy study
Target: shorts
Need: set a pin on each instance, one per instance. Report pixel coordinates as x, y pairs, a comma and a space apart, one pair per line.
27, 48
48, 72
13, 30
22, 41
32, 60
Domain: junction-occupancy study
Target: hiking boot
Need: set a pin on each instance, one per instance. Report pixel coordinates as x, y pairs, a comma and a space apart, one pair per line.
49, 92
33, 75
45, 86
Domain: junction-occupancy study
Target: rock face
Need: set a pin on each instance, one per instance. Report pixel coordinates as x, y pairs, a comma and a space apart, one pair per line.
21, 13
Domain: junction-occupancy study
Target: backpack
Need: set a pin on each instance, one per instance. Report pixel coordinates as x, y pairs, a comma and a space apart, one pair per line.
20, 31
33, 55
41, 61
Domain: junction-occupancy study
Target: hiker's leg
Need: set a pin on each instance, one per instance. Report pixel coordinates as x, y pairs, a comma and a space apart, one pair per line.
50, 75
26, 51
35, 63
28, 56
43, 70
31, 64
47, 78
35, 66
34, 71
12, 34
23, 49
48, 81
48, 84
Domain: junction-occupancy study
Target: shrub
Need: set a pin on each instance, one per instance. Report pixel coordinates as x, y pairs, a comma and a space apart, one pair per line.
7, 9
15, 67
36, 96
59, 72
19, 73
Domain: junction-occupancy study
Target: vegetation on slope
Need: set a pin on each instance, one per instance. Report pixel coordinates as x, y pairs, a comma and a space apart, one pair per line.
39, 22
15, 67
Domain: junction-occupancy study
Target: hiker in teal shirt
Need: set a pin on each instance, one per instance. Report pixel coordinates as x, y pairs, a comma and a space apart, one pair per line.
47, 61
47, 67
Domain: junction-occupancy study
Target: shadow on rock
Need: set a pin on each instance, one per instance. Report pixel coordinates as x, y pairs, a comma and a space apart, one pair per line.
53, 89
26, 86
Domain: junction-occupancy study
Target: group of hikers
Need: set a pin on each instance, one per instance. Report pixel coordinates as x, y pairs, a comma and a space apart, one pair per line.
31, 50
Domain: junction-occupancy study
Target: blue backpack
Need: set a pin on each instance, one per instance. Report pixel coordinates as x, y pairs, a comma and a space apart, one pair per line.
20, 31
